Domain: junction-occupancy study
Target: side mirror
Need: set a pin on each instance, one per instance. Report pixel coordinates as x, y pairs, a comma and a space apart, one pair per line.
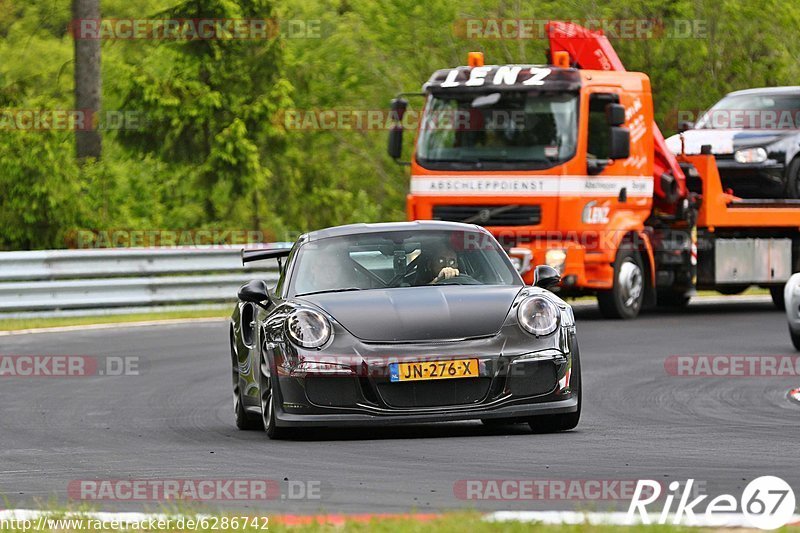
395, 147
615, 114
254, 291
685, 125
620, 143
545, 277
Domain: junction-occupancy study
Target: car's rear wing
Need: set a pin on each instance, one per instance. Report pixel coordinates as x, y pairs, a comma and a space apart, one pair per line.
264, 253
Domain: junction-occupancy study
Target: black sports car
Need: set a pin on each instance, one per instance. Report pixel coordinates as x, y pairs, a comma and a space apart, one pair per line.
402, 322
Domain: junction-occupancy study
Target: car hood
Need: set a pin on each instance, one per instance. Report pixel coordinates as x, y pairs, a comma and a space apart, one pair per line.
419, 313
725, 141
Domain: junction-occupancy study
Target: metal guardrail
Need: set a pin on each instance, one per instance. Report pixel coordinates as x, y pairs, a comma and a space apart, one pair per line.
130, 277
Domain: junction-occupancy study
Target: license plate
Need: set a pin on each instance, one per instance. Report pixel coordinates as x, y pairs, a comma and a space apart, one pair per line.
462, 368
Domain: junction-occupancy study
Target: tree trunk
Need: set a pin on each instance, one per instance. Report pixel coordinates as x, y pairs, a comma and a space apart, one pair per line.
88, 83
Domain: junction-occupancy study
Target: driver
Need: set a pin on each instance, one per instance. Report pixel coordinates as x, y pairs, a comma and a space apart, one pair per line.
445, 262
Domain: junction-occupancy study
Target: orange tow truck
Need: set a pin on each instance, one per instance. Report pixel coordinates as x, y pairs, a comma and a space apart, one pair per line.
565, 165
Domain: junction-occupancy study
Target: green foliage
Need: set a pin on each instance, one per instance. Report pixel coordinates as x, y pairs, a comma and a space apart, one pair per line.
216, 151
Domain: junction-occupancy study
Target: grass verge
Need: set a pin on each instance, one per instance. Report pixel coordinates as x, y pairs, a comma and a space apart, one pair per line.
11, 324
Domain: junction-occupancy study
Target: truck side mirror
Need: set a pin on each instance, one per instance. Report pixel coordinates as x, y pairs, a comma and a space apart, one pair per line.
685, 125
395, 147
620, 143
615, 114
545, 277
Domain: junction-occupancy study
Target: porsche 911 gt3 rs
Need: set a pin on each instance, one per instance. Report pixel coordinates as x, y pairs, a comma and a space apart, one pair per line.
402, 323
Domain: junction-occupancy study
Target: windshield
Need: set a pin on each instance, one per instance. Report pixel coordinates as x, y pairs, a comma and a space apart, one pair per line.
510, 128
401, 259
753, 111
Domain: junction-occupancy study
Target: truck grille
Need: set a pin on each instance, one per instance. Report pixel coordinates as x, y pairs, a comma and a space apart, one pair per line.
490, 215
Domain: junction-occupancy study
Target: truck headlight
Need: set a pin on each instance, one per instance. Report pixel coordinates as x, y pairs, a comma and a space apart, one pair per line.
556, 257
538, 315
750, 155
308, 328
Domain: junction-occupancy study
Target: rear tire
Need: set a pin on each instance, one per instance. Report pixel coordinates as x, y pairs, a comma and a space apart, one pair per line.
777, 297
567, 421
625, 299
244, 421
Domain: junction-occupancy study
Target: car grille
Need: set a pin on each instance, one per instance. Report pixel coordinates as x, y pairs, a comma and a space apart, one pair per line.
490, 215
332, 391
434, 393
532, 379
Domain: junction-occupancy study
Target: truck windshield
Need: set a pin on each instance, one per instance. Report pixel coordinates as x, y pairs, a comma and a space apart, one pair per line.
502, 129
753, 111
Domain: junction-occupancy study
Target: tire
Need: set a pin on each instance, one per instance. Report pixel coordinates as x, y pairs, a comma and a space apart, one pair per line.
792, 190
566, 421
244, 421
266, 394
777, 297
625, 299
795, 338
673, 300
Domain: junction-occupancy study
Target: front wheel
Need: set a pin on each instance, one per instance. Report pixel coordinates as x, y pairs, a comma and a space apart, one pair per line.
266, 391
625, 299
567, 421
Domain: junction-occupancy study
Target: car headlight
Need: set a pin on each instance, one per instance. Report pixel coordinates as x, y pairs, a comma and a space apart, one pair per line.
555, 258
308, 328
750, 155
538, 315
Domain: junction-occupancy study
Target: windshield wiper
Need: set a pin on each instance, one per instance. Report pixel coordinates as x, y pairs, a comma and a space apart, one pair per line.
346, 289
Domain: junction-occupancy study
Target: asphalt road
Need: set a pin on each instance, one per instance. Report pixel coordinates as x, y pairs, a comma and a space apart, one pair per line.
175, 421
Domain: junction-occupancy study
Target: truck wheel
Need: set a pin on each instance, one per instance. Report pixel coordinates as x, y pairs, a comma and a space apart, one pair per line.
625, 299
777, 297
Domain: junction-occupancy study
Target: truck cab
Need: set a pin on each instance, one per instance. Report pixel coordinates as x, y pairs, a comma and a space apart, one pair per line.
552, 160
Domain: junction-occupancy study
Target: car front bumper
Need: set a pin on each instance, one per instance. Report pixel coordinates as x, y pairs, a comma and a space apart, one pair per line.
511, 384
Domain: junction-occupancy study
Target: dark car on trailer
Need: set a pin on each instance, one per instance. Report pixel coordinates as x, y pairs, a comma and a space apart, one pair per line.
401, 323
755, 136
